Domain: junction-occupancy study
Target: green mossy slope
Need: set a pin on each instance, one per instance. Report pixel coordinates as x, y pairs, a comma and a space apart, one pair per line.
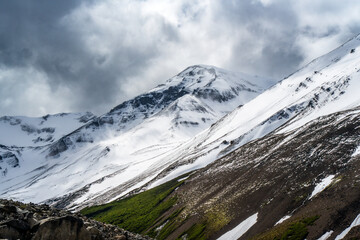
136, 213
293, 230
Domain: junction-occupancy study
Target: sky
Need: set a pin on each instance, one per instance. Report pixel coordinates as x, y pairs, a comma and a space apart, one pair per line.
87, 55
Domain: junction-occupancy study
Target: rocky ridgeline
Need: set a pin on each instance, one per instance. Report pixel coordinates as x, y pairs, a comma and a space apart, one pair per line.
40, 222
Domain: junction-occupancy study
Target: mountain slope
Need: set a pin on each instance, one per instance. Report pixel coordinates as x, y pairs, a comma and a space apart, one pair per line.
326, 85
302, 183
149, 140
122, 145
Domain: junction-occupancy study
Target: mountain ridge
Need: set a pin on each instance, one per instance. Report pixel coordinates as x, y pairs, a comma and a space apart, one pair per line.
284, 101
131, 134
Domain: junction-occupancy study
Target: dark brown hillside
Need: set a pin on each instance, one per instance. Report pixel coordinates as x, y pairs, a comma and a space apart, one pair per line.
274, 177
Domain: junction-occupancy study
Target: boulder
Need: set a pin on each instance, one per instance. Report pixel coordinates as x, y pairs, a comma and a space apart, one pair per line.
14, 229
58, 228
7, 232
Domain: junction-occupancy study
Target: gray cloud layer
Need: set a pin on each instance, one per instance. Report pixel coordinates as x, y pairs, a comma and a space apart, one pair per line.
90, 55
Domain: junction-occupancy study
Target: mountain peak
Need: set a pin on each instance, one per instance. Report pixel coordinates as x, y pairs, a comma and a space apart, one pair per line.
209, 77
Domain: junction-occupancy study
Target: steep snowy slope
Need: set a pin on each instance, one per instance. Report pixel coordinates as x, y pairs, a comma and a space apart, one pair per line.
27, 131
326, 85
111, 154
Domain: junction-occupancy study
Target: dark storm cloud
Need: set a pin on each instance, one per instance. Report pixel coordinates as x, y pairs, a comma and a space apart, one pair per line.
91, 55
33, 34
24, 24
269, 47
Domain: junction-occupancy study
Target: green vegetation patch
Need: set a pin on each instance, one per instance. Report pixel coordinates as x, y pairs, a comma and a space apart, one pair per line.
139, 212
196, 232
212, 222
168, 226
217, 218
296, 230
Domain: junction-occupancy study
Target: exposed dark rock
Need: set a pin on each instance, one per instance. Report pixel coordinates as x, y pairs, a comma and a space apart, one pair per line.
67, 227
27, 128
9, 158
87, 117
106, 120
59, 147
353, 234
48, 130
41, 222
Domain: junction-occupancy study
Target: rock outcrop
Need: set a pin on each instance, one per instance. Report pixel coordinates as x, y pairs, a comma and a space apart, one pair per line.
42, 222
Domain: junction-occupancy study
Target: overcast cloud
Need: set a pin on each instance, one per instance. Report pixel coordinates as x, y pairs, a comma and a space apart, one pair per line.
85, 55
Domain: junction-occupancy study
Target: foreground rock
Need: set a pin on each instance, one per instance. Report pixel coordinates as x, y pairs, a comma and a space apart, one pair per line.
40, 222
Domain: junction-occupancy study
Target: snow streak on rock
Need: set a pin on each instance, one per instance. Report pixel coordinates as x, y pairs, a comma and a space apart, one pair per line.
240, 229
355, 223
322, 185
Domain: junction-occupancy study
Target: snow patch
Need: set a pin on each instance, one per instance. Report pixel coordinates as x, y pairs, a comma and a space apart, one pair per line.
326, 235
355, 223
161, 227
322, 185
240, 229
357, 152
182, 179
283, 219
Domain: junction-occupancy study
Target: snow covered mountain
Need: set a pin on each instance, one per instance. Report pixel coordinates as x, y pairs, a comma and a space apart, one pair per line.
206, 93
110, 155
175, 128
327, 85
285, 165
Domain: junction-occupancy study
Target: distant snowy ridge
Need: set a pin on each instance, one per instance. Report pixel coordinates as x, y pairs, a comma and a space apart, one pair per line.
38, 131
